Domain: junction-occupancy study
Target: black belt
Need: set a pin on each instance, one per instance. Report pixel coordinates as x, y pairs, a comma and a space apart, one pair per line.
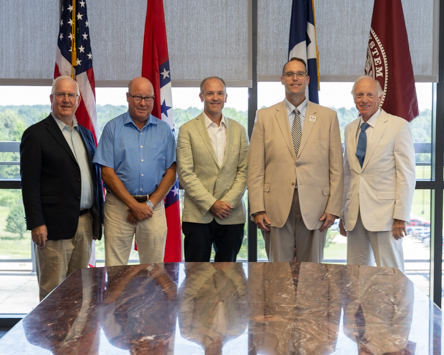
141, 198
138, 198
82, 212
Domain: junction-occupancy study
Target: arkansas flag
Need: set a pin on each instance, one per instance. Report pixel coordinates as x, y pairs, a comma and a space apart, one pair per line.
74, 59
388, 59
156, 68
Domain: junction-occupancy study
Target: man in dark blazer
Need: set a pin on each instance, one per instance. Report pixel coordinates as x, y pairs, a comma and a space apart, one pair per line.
62, 189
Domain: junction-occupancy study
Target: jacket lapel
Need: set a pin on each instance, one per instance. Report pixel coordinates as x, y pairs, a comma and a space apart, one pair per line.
203, 132
352, 145
54, 129
308, 126
282, 119
229, 141
378, 132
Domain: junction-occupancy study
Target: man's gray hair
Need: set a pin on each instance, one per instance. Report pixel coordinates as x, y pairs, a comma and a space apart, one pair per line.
380, 91
63, 77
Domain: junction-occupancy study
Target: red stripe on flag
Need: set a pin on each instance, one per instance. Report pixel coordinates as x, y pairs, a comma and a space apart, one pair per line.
155, 54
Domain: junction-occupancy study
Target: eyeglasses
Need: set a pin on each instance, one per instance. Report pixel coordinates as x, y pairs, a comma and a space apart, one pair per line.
138, 99
62, 95
299, 74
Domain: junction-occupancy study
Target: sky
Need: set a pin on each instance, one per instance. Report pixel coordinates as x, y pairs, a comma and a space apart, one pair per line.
331, 95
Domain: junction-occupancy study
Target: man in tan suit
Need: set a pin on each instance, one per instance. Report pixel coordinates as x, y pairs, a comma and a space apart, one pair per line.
212, 168
295, 176
379, 169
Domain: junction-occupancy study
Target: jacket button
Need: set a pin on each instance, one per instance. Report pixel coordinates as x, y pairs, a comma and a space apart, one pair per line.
292, 184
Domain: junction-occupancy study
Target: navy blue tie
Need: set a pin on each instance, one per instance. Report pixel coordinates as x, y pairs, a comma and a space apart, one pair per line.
362, 144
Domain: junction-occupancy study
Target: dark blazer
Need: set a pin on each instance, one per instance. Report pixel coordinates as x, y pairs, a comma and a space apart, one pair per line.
51, 185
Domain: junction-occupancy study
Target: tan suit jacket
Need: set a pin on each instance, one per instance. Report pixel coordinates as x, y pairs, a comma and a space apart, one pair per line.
203, 179
273, 166
382, 190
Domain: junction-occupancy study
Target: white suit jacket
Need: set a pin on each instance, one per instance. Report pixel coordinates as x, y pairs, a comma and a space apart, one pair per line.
382, 190
200, 175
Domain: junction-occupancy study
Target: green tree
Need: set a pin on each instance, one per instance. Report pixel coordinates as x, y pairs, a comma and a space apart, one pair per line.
15, 222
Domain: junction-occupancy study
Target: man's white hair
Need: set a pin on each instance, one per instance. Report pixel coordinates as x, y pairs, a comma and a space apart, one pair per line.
63, 77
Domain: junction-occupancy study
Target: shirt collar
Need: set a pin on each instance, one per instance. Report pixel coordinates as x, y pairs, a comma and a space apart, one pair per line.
62, 125
372, 121
128, 120
208, 122
302, 108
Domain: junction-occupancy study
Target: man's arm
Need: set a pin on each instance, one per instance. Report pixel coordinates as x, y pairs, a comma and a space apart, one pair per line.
333, 208
404, 153
256, 168
165, 185
347, 174
140, 210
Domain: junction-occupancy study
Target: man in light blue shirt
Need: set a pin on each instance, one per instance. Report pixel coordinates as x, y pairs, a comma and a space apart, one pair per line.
138, 159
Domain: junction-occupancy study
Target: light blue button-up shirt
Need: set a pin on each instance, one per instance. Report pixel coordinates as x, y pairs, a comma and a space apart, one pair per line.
75, 142
139, 157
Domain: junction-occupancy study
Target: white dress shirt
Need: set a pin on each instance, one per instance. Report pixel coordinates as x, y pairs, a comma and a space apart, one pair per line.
372, 123
218, 137
77, 146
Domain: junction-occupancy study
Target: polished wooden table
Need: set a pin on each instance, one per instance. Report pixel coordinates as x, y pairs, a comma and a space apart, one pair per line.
231, 308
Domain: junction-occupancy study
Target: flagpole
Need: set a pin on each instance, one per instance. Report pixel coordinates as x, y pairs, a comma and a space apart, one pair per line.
73, 40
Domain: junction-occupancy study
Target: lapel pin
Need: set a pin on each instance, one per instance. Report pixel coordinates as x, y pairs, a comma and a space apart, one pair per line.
312, 118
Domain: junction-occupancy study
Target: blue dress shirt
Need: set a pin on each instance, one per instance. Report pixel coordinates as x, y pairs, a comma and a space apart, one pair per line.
139, 157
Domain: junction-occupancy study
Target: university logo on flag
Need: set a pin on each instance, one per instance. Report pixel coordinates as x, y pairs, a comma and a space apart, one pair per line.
389, 61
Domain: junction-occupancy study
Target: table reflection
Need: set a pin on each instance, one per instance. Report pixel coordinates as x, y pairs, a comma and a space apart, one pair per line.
231, 308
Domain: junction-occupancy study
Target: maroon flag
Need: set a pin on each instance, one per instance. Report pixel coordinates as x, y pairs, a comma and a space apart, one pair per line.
156, 68
388, 59
74, 59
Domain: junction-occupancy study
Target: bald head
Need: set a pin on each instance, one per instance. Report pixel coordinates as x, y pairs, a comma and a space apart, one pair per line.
140, 97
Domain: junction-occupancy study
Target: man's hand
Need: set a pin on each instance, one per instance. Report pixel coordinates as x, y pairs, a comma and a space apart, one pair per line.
328, 219
221, 209
141, 212
262, 221
40, 235
342, 229
399, 229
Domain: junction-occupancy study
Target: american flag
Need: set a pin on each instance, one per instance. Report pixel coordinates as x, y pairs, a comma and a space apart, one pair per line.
156, 68
74, 59
302, 42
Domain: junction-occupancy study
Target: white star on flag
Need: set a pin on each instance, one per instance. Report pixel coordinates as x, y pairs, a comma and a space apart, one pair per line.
70, 8
82, 3
79, 16
175, 190
70, 22
165, 73
81, 49
78, 61
89, 55
85, 36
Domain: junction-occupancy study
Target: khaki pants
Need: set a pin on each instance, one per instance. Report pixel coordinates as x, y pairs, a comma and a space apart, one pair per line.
280, 243
150, 234
59, 258
365, 247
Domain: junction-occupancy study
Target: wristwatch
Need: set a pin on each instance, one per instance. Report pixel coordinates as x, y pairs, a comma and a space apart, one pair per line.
149, 203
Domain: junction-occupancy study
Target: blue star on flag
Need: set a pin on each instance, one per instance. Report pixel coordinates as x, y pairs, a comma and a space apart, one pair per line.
165, 108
